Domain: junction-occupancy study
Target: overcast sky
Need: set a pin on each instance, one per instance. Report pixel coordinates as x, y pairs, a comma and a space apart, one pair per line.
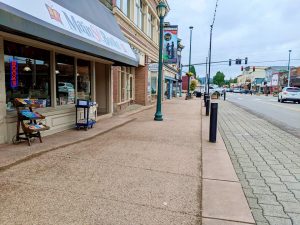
262, 30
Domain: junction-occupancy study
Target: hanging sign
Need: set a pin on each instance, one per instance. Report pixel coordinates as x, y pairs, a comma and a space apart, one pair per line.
14, 76
170, 44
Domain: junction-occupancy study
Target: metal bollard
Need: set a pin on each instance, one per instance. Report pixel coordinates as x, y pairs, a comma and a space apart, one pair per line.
213, 123
207, 106
205, 96
224, 95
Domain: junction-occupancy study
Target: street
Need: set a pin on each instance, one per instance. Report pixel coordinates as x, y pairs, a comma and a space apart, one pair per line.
284, 115
266, 158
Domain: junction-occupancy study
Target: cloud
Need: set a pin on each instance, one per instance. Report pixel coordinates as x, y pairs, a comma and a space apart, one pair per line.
261, 30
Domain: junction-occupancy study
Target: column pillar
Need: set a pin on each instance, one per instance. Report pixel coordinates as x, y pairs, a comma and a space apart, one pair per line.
3, 125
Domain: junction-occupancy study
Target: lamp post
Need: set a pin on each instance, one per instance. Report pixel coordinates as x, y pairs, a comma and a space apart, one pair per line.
289, 69
209, 58
161, 12
190, 55
179, 49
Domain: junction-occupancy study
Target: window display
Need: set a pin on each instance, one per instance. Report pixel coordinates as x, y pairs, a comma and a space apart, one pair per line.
27, 73
65, 79
83, 79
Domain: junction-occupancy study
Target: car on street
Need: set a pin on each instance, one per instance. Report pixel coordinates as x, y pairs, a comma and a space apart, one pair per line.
289, 94
236, 90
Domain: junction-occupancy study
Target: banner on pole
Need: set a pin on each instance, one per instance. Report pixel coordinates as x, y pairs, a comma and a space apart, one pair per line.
170, 44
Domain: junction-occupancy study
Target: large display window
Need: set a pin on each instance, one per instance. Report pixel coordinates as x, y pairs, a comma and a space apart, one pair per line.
83, 79
27, 73
65, 79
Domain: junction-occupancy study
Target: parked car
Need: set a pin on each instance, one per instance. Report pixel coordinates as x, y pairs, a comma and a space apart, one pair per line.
236, 90
289, 94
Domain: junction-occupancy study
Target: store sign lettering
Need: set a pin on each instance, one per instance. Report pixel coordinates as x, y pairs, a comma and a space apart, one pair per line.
56, 15
13, 74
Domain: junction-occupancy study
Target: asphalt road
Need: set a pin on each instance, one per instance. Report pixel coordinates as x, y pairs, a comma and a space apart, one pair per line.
284, 115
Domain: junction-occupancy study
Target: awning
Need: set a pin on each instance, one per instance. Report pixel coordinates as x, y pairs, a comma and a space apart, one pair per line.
170, 78
85, 26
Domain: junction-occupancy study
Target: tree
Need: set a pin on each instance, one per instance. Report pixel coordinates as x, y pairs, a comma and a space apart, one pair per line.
193, 85
218, 79
193, 70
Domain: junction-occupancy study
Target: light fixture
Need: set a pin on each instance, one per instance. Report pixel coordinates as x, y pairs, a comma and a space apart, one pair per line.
27, 66
161, 9
57, 72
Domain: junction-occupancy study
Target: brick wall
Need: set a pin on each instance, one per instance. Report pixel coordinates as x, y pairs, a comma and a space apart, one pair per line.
141, 85
115, 84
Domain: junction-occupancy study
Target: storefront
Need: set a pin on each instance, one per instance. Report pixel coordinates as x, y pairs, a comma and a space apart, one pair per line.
56, 52
171, 85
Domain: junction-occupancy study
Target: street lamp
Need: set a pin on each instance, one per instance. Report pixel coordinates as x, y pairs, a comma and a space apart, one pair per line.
179, 49
161, 12
188, 88
289, 69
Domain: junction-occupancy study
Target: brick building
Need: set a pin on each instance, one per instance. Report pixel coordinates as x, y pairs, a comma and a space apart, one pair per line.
140, 25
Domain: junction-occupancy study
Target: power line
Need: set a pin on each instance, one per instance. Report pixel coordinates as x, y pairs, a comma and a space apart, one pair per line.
215, 13
269, 61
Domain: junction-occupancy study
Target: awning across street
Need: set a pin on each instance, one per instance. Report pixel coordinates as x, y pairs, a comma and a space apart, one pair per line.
85, 26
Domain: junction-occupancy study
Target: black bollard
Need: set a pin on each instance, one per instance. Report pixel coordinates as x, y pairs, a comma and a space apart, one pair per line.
207, 106
213, 123
224, 95
205, 98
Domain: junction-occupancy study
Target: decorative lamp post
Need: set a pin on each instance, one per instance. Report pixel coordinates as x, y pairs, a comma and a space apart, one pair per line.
161, 12
179, 49
289, 69
188, 88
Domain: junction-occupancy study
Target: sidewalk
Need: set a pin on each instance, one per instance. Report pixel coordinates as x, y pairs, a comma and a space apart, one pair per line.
141, 172
11, 154
224, 202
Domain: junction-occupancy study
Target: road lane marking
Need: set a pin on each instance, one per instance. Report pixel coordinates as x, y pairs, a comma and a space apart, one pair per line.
282, 106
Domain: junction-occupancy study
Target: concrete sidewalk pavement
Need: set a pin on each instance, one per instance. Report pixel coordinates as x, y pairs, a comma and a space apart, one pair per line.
140, 172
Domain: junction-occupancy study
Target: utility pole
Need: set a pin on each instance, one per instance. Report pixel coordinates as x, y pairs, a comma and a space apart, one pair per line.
209, 58
206, 75
289, 68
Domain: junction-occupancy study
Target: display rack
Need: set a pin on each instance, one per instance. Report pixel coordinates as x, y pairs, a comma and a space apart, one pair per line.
30, 121
86, 114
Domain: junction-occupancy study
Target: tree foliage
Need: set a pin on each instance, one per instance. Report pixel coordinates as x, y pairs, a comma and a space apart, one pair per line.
193, 85
193, 70
219, 78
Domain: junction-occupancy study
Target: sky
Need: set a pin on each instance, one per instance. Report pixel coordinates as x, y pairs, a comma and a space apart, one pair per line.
262, 30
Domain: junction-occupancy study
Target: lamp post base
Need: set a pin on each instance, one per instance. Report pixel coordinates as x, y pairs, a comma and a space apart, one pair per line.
158, 117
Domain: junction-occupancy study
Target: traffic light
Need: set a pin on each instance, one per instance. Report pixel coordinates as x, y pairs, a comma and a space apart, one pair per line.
229, 62
242, 68
246, 60
253, 68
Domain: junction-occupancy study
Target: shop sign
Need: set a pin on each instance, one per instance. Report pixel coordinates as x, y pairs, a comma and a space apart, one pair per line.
153, 67
275, 80
14, 74
170, 44
54, 14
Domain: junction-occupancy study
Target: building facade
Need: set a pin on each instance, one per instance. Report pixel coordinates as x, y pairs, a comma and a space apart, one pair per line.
58, 53
139, 23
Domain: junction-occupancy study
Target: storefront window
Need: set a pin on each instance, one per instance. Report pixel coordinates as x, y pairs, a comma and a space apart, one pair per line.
83, 79
123, 5
153, 85
126, 83
27, 73
65, 79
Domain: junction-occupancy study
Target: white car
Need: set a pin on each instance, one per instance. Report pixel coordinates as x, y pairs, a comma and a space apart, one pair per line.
289, 94
65, 87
